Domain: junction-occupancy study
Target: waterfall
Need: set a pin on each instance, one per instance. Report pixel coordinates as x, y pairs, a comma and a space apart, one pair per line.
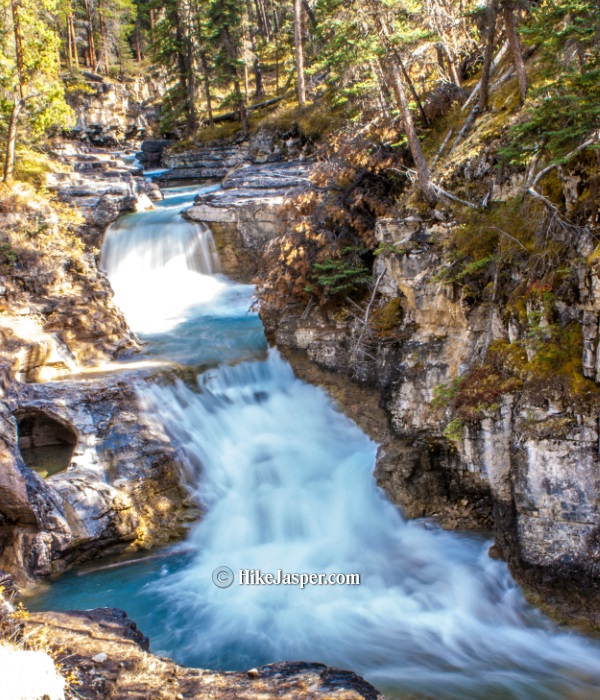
286, 481
160, 267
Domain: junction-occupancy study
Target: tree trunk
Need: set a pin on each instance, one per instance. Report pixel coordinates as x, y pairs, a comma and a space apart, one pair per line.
69, 46
207, 95
299, 40
89, 26
11, 137
491, 12
242, 106
73, 41
515, 47
277, 63
138, 41
104, 36
192, 121
11, 140
423, 174
264, 26
309, 13
259, 89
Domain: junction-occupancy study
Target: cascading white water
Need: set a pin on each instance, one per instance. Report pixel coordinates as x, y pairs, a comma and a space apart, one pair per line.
160, 267
287, 484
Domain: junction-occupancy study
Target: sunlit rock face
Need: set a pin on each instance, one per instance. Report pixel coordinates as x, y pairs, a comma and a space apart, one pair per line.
243, 214
121, 489
216, 160
531, 468
110, 657
109, 113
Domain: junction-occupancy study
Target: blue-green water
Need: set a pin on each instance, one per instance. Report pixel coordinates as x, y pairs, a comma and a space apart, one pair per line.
286, 483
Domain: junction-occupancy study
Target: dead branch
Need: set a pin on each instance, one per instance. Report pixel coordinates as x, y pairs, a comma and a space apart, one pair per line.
454, 198
367, 312
493, 67
442, 148
590, 142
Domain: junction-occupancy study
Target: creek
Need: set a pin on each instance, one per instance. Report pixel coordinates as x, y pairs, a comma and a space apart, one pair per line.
285, 482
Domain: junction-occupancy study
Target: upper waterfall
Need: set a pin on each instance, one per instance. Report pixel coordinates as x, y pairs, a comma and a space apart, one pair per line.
160, 266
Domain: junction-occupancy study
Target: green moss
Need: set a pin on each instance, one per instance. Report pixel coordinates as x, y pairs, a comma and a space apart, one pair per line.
444, 394
548, 363
481, 390
385, 321
454, 430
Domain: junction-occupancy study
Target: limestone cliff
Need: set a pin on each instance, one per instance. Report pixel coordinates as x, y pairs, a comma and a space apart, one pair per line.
476, 382
121, 482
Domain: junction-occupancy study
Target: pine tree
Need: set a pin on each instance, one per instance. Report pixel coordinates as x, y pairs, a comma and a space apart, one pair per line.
225, 25
32, 94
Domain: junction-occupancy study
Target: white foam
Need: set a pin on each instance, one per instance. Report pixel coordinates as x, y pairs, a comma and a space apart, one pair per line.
287, 483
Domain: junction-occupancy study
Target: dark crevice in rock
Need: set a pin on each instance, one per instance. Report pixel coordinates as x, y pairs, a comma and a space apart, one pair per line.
45, 443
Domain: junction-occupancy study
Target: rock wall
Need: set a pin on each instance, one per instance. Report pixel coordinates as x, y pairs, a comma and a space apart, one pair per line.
243, 214
111, 113
215, 161
124, 487
530, 469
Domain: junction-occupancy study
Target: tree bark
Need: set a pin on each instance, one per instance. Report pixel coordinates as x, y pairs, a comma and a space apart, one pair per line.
138, 41
89, 26
11, 137
192, 115
299, 41
259, 89
309, 13
73, 40
491, 11
69, 45
206, 80
104, 35
152, 24
264, 26
242, 106
423, 174
515, 47
11, 140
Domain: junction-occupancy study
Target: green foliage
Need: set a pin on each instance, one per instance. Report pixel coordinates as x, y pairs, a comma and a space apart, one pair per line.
345, 275
8, 256
37, 84
564, 108
454, 430
444, 394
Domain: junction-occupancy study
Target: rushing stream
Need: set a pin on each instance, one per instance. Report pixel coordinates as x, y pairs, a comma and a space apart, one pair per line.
286, 482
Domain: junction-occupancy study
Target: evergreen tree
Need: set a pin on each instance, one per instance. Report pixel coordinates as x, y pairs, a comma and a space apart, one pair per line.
31, 94
225, 26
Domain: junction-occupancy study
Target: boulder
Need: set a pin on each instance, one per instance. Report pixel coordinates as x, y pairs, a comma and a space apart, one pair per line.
128, 671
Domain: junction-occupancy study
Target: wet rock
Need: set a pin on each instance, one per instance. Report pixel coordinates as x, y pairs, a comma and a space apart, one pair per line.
152, 151
123, 488
528, 470
131, 672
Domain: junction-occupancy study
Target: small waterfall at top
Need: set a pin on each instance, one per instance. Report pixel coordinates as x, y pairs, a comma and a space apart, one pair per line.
160, 266
286, 483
